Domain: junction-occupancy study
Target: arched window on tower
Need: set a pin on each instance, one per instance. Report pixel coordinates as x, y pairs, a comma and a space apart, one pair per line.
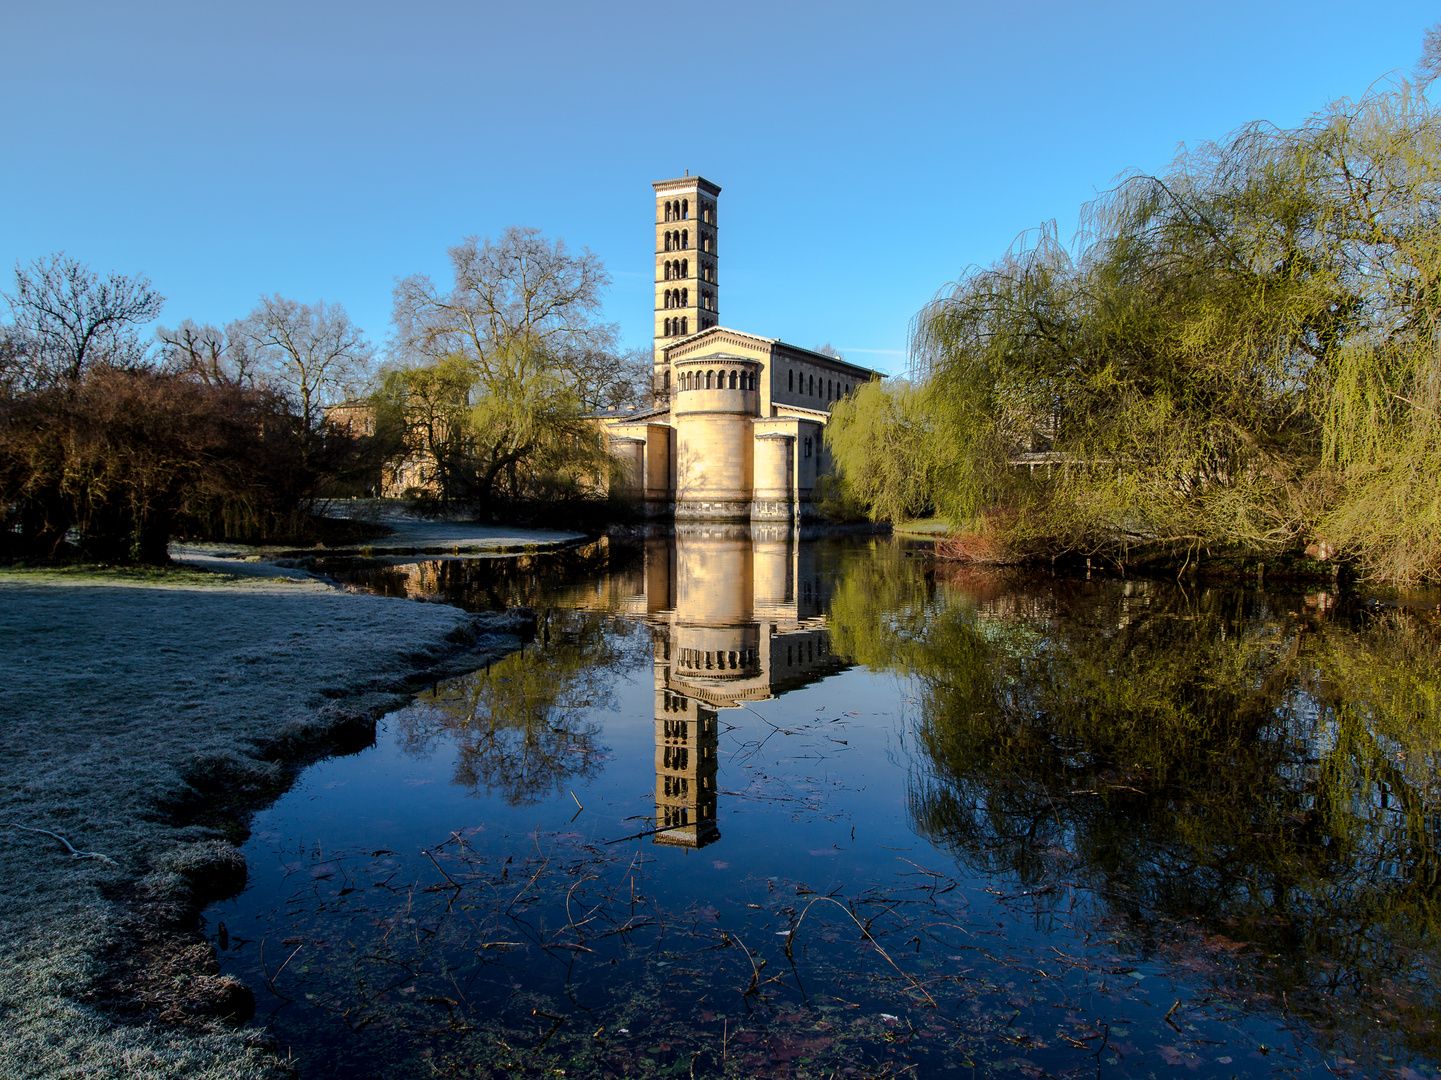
667, 382
684, 209
685, 298
667, 241
684, 239
667, 211
685, 268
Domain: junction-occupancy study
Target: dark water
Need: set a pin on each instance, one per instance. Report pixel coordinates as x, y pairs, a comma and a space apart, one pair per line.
752, 806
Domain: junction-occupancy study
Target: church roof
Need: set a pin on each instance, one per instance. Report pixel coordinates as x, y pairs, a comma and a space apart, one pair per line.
810, 354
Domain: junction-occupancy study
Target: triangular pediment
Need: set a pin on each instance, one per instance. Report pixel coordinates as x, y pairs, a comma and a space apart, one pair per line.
713, 338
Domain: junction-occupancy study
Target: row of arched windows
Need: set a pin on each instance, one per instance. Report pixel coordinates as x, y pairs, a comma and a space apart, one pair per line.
677, 298
717, 380
678, 240
677, 758
678, 210
831, 389
677, 327
677, 268
677, 787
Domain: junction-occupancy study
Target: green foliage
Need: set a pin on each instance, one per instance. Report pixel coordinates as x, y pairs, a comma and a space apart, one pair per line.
1242, 351
523, 727
1264, 766
903, 449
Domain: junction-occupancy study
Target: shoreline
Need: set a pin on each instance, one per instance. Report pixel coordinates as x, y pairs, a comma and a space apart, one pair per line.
147, 716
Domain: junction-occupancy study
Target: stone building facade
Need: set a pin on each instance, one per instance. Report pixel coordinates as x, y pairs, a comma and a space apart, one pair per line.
735, 431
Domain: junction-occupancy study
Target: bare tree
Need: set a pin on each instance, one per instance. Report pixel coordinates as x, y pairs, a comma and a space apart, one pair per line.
309, 352
1428, 68
214, 356
523, 298
610, 380
67, 319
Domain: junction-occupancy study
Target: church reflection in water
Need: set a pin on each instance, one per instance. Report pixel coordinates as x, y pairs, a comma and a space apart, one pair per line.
737, 614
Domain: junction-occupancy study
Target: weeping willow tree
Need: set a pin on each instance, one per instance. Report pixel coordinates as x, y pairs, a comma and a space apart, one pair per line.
1241, 352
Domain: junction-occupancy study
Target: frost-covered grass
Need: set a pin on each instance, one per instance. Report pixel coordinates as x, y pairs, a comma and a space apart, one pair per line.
140, 711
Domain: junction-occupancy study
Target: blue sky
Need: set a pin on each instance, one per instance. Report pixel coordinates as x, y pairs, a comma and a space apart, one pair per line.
868, 152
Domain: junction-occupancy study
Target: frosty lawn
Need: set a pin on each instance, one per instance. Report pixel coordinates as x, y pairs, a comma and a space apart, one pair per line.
140, 716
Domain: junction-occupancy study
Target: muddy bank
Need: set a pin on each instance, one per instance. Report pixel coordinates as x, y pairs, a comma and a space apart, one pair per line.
142, 718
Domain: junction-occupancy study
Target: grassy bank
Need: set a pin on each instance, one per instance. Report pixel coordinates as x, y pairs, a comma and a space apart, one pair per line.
142, 715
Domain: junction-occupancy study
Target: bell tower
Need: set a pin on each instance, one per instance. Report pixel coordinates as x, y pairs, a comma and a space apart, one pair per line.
686, 280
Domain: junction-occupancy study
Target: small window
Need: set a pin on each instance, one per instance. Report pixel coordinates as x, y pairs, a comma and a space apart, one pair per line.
684, 209
685, 298
808, 446
813, 394
685, 268
667, 241
684, 239
685, 326
791, 381
709, 379
848, 389
733, 380
667, 382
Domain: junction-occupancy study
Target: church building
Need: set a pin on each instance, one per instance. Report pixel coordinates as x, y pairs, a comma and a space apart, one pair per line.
735, 430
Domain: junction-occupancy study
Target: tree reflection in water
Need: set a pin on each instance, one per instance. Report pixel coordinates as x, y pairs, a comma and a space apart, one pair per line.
525, 727
1246, 781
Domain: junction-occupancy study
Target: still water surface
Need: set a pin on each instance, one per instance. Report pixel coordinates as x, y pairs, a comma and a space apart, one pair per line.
749, 805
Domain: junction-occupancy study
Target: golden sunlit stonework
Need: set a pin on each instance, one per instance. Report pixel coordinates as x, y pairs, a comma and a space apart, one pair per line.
735, 430
737, 614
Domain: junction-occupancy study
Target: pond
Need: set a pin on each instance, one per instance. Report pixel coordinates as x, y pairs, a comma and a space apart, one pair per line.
752, 805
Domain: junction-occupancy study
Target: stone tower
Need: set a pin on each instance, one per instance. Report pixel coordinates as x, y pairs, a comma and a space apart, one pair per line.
685, 265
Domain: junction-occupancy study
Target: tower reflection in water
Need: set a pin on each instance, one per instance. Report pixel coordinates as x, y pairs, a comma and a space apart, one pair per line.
737, 614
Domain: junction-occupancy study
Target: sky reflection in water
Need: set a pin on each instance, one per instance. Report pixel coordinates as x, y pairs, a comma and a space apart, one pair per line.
753, 806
